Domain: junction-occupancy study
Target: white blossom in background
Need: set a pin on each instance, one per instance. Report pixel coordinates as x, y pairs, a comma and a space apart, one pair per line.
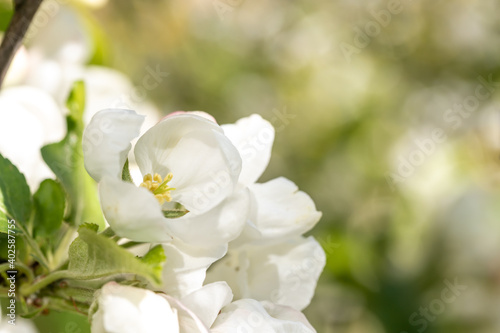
59, 54
29, 119
22, 325
56, 56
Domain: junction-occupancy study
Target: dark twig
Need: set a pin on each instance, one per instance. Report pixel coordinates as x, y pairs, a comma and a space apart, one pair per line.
24, 11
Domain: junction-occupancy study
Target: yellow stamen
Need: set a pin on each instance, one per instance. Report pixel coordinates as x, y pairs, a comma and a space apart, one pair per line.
158, 186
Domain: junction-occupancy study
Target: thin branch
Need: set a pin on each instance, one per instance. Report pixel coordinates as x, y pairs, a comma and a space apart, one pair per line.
24, 11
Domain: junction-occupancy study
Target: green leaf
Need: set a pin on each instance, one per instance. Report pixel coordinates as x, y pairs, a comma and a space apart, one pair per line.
126, 173
92, 256
155, 259
65, 159
174, 213
49, 204
76, 101
15, 196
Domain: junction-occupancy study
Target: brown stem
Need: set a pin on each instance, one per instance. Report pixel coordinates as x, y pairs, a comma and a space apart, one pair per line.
24, 11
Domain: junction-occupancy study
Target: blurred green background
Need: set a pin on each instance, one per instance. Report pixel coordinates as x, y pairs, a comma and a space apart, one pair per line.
384, 115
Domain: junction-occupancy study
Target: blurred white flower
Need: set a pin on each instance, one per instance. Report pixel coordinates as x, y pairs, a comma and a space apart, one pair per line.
29, 119
21, 326
58, 55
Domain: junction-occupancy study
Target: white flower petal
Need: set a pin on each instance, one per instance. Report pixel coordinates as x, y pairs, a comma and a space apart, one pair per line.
208, 301
282, 210
188, 320
248, 315
284, 272
124, 309
218, 226
132, 212
253, 137
204, 163
106, 141
186, 266
202, 114
286, 313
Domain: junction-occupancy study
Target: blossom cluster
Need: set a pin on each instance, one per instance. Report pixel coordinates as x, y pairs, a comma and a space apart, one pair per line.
237, 259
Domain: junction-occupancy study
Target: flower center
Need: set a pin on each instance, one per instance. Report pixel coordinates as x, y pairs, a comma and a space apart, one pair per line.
158, 186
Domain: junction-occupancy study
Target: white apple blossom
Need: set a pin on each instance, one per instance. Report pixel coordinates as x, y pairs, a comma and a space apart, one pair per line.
184, 159
29, 119
188, 157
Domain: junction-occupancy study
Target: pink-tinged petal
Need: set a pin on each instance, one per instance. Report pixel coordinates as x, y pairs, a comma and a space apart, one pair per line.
106, 141
253, 137
204, 163
133, 212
